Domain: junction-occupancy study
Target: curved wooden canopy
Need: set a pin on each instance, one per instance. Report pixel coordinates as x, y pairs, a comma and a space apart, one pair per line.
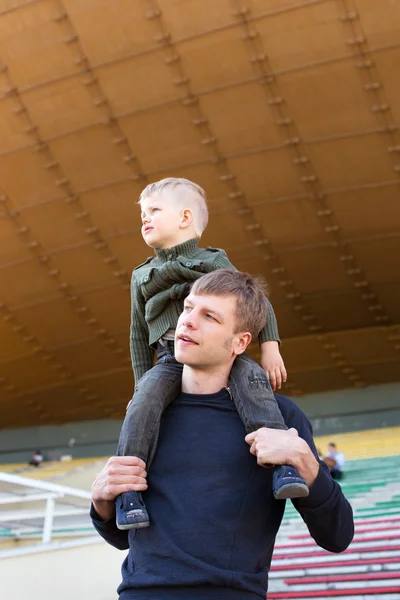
287, 112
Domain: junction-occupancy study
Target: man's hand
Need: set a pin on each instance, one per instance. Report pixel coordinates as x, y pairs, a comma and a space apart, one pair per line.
283, 447
120, 474
273, 365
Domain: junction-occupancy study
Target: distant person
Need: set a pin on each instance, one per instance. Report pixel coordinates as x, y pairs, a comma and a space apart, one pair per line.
174, 215
36, 459
335, 461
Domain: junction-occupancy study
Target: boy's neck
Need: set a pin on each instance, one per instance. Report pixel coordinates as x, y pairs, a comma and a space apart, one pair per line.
187, 246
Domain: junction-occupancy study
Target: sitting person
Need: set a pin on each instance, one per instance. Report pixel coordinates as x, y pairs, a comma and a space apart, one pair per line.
335, 461
36, 459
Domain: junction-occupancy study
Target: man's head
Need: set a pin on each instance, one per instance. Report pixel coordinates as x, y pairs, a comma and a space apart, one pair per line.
173, 210
223, 312
332, 447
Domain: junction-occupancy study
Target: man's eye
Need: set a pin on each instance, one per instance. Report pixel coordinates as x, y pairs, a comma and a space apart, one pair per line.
186, 308
210, 316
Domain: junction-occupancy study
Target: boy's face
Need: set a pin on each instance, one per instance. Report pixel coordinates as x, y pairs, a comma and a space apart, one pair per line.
161, 218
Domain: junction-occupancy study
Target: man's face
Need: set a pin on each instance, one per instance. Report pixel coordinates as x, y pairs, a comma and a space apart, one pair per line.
331, 449
205, 335
160, 221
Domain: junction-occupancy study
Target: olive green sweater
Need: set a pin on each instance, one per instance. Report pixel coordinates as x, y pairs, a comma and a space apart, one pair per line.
158, 289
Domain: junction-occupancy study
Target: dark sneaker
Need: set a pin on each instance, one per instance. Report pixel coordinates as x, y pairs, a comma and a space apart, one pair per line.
287, 483
131, 511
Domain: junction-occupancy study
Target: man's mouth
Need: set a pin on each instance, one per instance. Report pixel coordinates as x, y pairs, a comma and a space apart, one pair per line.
187, 339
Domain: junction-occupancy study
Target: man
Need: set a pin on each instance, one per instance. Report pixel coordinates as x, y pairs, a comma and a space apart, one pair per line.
213, 516
335, 461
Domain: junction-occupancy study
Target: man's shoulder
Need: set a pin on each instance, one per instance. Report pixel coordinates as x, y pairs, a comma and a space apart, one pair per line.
292, 413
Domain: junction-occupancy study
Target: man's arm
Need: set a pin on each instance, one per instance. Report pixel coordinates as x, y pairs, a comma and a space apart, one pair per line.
120, 474
141, 354
326, 512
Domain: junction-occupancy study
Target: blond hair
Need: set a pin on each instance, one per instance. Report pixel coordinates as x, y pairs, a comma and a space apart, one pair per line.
249, 291
195, 199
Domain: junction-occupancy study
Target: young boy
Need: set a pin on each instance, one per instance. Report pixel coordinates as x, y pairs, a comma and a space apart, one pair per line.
174, 216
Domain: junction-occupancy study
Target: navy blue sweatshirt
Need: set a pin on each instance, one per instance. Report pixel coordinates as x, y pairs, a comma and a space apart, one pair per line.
213, 515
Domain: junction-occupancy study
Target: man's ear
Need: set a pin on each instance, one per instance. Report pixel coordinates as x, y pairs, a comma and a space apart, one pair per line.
242, 341
186, 218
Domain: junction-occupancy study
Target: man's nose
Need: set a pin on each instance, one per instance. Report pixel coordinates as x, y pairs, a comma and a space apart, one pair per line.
191, 320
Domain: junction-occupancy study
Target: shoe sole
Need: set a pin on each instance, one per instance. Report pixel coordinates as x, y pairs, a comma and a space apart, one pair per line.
287, 492
134, 525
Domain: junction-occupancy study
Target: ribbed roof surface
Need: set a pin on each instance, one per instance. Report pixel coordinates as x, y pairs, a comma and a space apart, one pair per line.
286, 112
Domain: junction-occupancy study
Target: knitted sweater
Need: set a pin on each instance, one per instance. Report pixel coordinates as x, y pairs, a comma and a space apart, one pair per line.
158, 289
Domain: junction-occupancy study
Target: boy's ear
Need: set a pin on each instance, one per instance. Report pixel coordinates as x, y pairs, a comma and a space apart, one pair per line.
186, 218
242, 341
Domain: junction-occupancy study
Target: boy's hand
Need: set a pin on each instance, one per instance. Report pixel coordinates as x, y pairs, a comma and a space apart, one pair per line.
273, 365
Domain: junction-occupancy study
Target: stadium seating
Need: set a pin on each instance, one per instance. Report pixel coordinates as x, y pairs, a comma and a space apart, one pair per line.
370, 567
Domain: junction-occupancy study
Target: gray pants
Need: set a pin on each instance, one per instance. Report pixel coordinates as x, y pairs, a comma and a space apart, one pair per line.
158, 388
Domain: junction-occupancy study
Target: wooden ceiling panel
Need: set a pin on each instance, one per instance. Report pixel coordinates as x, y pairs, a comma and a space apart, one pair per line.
342, 162
26, 281
180, 143
12, 344
186, 18
61, 108
289, 224
129, 89
265, 176
88, 356
84, 266
31, 373
54, 322
381, 372
243, 123
94, 161
300, 168
340, 310
121, 28
32, 42
55, 224
380, 259
314, 94
12, 246
316, 381
12, 134
25, 179
380, 22
232, 66
386, 64
284, 31
111, 306
368, 211
366, 344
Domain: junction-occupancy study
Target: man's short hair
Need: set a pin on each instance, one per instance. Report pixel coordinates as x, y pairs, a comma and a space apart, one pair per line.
189, 194
332, 444
249, 291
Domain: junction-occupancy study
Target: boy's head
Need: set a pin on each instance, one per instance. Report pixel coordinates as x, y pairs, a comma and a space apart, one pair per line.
173, 210
223, 312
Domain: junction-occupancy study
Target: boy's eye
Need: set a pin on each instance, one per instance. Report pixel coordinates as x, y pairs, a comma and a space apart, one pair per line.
186, 308
210, 317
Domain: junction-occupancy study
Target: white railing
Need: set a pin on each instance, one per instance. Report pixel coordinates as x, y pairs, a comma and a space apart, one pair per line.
34, 491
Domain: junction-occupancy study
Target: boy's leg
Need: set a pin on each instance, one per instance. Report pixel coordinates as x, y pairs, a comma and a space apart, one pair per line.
257, 407
139, 434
